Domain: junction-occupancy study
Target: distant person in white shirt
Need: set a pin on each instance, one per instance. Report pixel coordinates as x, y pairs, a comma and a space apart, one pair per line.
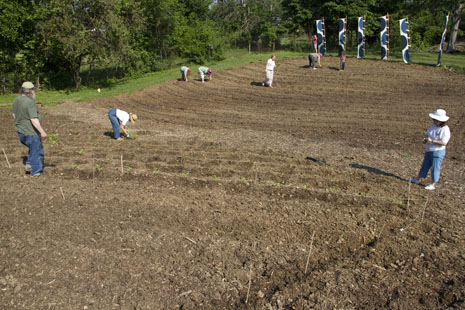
269, 72
185, 73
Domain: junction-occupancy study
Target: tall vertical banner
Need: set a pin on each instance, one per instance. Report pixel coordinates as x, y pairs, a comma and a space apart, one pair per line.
404, 39
320, 31
360, 37
441, 47
384, 37
342, 34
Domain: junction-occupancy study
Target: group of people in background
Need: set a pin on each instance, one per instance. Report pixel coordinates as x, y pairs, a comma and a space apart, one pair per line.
313, 60
30, 132
186, 72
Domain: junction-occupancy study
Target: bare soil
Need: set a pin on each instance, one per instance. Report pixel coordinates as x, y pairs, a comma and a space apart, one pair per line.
214, 204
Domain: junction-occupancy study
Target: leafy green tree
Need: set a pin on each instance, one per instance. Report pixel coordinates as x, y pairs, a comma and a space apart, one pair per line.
270, 33
194, 37
297, 16
162, 17
16, 31
73, 31
249, 20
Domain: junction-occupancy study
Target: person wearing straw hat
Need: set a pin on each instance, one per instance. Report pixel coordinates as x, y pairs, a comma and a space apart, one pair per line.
30, 132
436, 138
203, 71
119, 119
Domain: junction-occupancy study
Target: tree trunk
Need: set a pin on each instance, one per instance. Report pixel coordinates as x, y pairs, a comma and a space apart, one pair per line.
76, 76
89, 73
454, 29
38, 81
77, 79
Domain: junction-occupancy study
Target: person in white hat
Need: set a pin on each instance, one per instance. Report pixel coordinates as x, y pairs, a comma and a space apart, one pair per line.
119, 120
30, 132
436, 138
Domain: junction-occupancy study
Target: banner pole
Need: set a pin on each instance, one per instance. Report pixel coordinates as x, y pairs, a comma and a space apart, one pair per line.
387, 31
324, 33
363, 38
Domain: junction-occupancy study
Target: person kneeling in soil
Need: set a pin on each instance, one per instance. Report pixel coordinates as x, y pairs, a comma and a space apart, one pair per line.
436, 138
119, 120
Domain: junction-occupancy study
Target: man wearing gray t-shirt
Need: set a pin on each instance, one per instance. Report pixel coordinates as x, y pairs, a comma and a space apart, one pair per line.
30, 132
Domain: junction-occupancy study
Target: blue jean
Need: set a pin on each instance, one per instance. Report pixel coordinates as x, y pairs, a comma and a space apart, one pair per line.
114, 123
311, 61
183, 76
432, 160
35, 156
343, 64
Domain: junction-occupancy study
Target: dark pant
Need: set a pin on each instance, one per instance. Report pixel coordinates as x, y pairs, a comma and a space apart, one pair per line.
114, 123
35, 156
311, 61
343, 64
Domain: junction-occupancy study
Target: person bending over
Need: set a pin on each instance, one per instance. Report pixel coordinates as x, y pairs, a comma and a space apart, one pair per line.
119, 120
207, 71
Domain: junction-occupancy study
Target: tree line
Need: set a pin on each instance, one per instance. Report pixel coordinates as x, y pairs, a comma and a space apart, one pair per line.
51, 41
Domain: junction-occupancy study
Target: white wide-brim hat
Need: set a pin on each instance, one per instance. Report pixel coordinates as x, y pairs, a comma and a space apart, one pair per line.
439, 115
28, 85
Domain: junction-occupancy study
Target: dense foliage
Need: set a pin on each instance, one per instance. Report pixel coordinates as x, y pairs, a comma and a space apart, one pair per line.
51, 41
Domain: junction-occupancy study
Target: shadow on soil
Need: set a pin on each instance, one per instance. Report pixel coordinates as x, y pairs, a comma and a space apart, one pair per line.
256, 83
376, 171
108, 134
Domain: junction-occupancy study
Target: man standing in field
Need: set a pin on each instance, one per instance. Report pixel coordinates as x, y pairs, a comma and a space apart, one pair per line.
30, 132
269, 72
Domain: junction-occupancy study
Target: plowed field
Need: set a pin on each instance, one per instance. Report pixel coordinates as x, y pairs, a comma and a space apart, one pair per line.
214, 204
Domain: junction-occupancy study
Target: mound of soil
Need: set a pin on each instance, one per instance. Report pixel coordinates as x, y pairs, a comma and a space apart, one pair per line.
236, 196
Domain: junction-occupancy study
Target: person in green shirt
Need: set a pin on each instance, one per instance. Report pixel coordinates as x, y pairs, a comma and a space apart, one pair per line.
30, 132
203, 71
